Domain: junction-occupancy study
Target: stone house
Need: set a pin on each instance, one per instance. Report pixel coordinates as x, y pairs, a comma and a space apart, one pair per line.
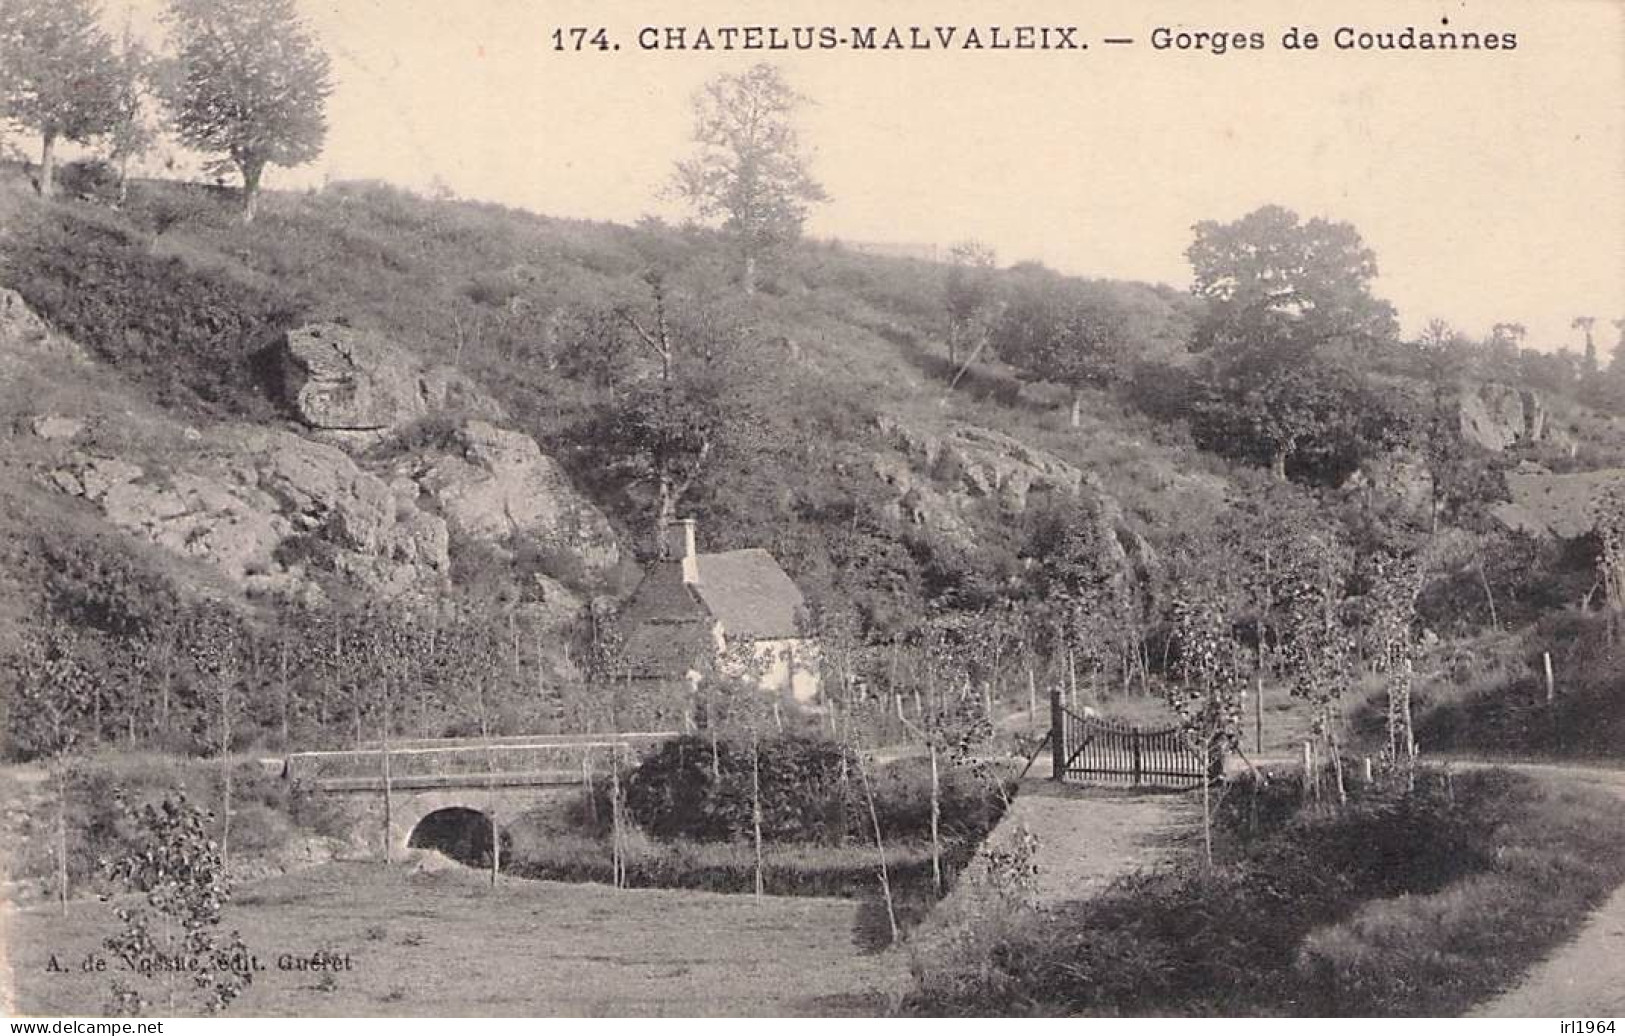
736, 612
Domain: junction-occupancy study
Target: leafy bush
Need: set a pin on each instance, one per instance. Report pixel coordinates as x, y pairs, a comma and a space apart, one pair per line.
685, 790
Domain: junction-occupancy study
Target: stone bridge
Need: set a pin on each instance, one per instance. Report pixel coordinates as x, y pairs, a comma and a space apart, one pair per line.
456, 794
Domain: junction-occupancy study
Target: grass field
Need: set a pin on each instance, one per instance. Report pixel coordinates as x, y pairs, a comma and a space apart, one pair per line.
445, 943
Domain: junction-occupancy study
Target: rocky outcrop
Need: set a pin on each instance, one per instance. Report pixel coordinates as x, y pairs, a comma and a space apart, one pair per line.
1498, 417
1546, 504
494, 484
248, 492
358, 387
24, 337
978, 463
940, 478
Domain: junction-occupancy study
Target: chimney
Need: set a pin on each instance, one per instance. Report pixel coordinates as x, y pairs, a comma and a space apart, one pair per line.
691, 556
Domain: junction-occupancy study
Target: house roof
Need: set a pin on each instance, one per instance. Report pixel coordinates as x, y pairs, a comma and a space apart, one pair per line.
660, 648
751, 595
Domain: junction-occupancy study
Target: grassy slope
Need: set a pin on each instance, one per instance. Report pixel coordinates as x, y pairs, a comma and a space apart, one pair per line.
495, 290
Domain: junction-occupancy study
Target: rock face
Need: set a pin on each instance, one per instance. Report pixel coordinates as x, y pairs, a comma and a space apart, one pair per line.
270, 509
978, 463
494, 484
939, 477
250, 492
1544, 504
360, 387
24, 336
1498, 417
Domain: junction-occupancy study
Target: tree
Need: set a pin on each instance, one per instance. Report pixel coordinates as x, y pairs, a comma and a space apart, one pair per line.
671, 429
1320, 650
1396, 583
748, 171
252, 86
1213, 670
59, 74
183, 874
1589, 364
1063, 330
132, 133
216, 644
1284, 288
1608, 514
1280, 294
971, 297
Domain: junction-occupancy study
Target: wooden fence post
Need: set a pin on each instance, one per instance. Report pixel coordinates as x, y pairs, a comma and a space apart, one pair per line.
1134, 747
1057, 735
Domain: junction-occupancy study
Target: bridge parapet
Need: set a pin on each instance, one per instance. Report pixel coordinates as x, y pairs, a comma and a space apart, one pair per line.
465, 762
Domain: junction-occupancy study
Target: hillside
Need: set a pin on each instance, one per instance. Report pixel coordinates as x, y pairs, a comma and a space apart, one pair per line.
369, 396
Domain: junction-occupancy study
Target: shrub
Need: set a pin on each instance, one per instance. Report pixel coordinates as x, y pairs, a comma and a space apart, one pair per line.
682, 790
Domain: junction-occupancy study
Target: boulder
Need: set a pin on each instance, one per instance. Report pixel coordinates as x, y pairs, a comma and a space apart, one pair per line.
359, 387
494, 484
1493, 416
938, 479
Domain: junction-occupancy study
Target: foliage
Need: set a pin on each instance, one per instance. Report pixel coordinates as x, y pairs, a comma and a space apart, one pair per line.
252, 85
1281, 294
1063, 330
182, 873
691, 789
1492, 698
1283, 288
58, 73
971, 296
191, 337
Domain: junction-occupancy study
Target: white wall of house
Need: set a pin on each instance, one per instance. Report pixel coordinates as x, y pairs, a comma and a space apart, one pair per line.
788, 664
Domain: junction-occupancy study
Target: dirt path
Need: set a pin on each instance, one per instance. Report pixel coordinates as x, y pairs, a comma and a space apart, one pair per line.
1089, 836
1584, 978
1086, 837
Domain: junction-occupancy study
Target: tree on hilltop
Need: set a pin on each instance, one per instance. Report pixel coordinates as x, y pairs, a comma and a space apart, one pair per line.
748, 171
1283, 294
58, 75
971, 297
252, 86
1063, 330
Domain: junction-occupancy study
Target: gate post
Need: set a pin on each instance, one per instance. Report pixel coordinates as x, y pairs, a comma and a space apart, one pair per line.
1134, 746
1057, 736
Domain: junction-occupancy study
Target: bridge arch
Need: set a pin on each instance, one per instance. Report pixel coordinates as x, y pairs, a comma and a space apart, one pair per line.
461, 832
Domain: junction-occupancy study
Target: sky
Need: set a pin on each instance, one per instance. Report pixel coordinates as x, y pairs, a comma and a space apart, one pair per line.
1491, 184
